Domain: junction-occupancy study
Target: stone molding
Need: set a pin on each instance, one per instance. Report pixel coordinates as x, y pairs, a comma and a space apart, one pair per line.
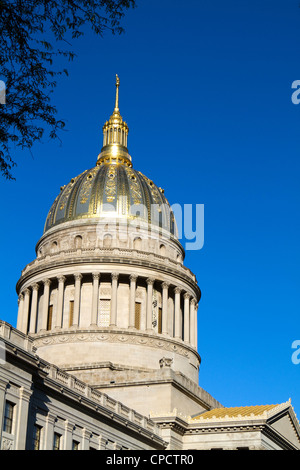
108, 255
178, 275
115, 336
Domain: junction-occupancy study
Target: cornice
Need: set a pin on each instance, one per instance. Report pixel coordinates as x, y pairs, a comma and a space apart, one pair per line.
112, 257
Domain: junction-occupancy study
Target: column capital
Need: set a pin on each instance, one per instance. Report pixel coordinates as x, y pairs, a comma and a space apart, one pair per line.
3, 385
26, 291
21, 296
177, 290
51, 418
96, 276
35, 286
115, 276
133, 277
186, 295
25, 394
193, 301
165, 285
150, 281
86, 433
78, 276
46, 282
69, 426
61, 278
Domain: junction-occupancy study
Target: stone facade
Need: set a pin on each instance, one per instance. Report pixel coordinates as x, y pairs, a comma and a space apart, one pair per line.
47, 403
130, 307
42, 407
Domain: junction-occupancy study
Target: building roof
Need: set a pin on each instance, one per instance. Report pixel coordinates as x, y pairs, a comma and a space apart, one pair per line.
240, 412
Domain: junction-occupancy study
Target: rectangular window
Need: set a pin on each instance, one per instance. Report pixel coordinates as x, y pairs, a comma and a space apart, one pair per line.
71, 312
110, 445
104, 312
137, 315
159, 329
75, 445
37, 431
8, 417
49, 319
56, 441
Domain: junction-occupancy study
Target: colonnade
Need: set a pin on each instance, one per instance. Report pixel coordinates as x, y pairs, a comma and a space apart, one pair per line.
116, 135
179, 322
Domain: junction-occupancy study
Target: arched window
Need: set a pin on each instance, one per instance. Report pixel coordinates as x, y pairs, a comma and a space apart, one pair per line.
107, 240
54, 247
162, 250
137, 243
78, 242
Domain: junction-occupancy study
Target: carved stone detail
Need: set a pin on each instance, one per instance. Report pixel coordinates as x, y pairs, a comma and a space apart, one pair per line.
103, 336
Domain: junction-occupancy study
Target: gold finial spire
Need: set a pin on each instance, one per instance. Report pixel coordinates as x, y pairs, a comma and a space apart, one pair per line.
117, 93
115, 133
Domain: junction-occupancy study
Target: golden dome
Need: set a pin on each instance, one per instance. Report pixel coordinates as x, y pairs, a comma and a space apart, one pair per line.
113, 188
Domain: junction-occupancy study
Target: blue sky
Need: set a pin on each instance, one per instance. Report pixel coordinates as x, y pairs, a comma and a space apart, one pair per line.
206, 92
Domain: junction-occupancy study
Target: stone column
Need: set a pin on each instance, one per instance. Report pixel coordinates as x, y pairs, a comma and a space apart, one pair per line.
86, 435
25, 310
20, 311
95, 298
196, 327
171, 317
133, 278
165, 316
33, 312
68, 435
22, 419
49, 432
3, 385
150, 283
60, 301
193, 322
78, 278
46, 298
114, 295
186, 320
177, 312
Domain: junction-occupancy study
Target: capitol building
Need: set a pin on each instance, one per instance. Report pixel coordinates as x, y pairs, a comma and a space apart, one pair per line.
104, 355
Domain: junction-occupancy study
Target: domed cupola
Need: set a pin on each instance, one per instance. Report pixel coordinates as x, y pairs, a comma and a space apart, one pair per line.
108, 295
113, 189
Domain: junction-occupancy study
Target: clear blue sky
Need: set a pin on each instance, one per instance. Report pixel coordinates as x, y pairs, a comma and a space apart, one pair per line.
206, 92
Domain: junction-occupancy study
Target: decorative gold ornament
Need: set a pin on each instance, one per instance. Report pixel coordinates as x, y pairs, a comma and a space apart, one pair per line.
113, 188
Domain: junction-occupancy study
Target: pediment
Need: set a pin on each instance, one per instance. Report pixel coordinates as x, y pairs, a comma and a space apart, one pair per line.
285, 424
